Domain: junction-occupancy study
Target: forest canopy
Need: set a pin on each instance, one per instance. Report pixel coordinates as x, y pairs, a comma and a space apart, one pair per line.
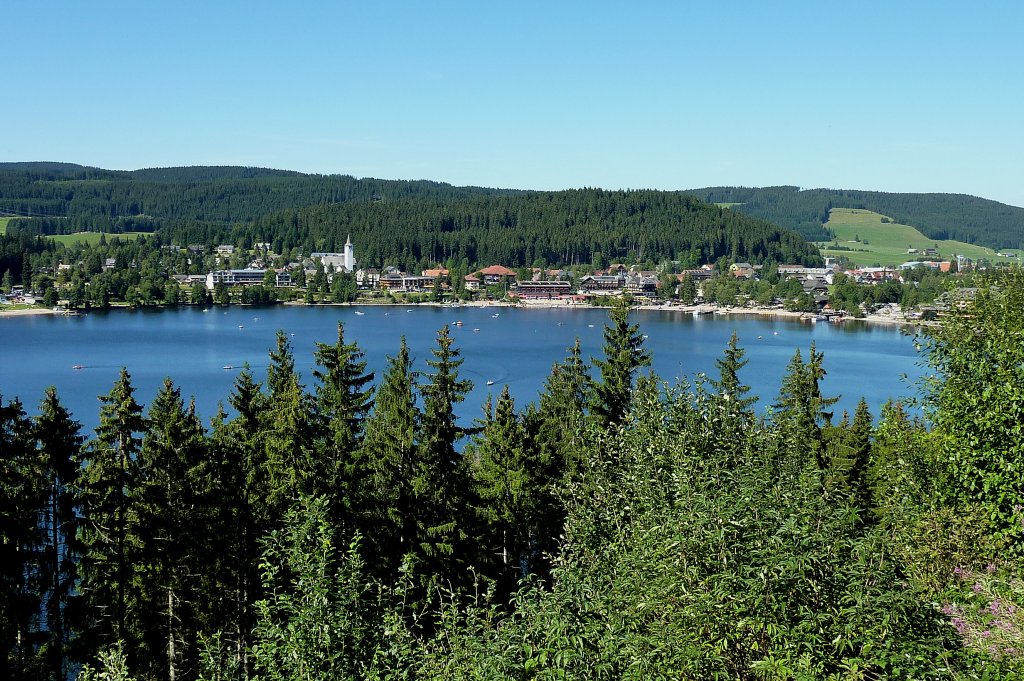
960, 217
618, 527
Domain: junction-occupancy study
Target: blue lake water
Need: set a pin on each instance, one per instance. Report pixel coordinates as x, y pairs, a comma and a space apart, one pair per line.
506, 345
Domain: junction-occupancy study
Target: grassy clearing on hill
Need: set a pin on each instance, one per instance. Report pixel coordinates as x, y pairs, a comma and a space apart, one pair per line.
873, 242
3, 225
92, 238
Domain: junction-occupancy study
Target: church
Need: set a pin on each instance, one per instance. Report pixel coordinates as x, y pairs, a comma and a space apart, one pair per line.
341, 261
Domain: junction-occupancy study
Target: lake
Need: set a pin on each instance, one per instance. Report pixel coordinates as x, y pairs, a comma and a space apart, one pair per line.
506, 345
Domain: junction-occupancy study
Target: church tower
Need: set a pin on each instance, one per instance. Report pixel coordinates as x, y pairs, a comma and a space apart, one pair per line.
350, 257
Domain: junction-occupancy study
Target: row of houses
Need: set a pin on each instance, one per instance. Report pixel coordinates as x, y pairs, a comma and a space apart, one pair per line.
543, 284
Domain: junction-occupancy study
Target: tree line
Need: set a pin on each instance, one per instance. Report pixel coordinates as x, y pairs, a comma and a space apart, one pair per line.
619, 527
63, 198
938, 216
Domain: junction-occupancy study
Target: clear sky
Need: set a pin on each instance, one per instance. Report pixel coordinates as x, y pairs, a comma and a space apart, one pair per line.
891, 96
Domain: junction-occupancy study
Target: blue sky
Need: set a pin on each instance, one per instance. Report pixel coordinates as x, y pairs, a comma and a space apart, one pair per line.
891, 96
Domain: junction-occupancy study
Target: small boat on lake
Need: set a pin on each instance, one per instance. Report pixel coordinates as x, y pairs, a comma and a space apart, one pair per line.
458, 323
490, 382
360, 313
78, 366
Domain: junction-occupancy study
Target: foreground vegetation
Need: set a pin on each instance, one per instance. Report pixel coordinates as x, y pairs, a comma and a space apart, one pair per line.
619, 528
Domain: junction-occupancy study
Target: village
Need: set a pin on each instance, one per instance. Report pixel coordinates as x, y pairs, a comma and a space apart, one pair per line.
332, 277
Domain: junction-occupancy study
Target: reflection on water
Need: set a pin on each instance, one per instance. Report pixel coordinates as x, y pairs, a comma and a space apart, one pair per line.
517, 348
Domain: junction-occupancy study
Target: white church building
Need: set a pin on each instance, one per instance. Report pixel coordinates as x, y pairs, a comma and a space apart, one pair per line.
341, 261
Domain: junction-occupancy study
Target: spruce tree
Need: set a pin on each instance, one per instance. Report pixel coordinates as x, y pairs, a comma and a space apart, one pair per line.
734, 409
439, 477
730, 388
385, 512
60, 442
241, 519
507, 487
623, 355
107, 483
21, 496
859, 460
344, 398
173, 504
288, 433
562, 412
800, 407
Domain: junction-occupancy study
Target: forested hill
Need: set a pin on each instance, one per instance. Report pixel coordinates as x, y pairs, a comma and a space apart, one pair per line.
938, 216
66, 198
564, 228
393, 222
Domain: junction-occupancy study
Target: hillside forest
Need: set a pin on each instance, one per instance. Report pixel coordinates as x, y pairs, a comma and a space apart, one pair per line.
960, 217
342, 525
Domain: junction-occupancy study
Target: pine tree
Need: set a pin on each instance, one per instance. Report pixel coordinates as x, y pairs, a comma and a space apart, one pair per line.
623, 355
385, 514
107, 483
172, 504
60, 442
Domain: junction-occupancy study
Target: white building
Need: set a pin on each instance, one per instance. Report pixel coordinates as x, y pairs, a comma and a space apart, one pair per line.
341, 261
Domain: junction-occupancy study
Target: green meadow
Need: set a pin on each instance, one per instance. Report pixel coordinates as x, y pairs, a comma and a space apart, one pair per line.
92, 238
873, 242
3, 225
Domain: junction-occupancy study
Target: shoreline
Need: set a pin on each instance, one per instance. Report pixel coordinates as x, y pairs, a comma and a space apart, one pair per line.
25, 312
696, 310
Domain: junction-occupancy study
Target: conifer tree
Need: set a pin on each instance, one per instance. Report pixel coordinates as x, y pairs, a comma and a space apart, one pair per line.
439, 477
734, 409
562, 412
800, 407
282, 366
20, 539
730, 388
172, 514
623, 355
288, 430
507, 487
242, 519
385, 513
859, 459
107, 483
59, 441
343, 402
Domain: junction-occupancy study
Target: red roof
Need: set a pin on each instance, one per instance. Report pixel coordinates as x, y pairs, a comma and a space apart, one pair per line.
497, 271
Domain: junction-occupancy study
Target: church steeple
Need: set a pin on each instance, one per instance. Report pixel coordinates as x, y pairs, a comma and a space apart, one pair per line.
350, 256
